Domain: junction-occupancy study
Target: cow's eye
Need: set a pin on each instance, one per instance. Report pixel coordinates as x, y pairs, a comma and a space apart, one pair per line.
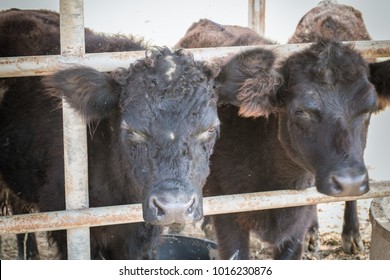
212, 129
302, 113
208, 133
137, 136
133, 134
365, 117
307, 114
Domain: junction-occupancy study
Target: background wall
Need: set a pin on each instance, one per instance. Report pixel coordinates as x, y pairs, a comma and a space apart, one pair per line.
164, 22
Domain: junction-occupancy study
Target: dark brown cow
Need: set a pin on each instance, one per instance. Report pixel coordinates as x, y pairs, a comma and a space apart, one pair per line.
330, 20
152, 129
310, 129
36, 32
207, 34
314, 112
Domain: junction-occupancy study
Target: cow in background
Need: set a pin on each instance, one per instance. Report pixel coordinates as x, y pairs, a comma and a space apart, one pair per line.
209, 34
37, 32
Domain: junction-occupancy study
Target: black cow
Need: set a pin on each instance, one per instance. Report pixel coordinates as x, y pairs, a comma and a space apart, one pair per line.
312, 116
327, 21
332, 21
151, 131
38, 33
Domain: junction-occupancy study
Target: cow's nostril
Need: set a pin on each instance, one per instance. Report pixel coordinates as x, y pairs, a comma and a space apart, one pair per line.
337, 188
192, 204
159, 209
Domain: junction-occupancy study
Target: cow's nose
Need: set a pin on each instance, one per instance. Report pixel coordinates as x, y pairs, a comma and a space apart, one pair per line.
173, 206
349, 185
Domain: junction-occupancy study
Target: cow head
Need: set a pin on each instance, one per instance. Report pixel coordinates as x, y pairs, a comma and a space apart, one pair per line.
163, 111
332, 21
324, 97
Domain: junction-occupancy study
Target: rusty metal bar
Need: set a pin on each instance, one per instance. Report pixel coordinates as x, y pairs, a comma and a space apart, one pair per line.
44, 65
212, 206
256, 15
75, 132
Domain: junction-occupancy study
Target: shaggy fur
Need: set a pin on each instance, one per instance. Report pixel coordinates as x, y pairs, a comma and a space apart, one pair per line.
313, 129
332, 21
294, 141
151, 131
207, 34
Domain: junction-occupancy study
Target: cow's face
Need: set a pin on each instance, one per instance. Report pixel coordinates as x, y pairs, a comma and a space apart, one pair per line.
163, 121
324, 98
327, 104
169, 127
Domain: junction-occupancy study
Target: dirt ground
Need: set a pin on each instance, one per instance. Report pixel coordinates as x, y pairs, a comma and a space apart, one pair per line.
330, 247
330, 244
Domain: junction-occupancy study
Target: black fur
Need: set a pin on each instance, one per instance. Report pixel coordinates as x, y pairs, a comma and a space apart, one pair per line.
151, 130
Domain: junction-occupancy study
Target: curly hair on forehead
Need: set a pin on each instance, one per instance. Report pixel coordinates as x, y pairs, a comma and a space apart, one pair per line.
327, 61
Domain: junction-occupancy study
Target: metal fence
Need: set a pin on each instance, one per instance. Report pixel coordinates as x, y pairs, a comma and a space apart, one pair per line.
77, 218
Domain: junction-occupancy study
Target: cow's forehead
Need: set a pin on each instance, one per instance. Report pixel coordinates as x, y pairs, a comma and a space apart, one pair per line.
166, 75
354, 97
328, 71
167, 89
191, 111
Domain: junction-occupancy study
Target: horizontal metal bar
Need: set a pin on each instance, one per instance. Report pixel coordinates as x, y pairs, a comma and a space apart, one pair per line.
212, 206
44, 65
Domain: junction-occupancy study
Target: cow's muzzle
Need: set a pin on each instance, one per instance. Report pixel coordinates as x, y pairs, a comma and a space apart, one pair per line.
173, 206
346, 182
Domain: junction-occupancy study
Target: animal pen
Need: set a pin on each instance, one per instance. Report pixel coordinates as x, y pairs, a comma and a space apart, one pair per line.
77, 218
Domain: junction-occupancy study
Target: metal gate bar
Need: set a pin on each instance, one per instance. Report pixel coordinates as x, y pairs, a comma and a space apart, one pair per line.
132, 213
75, 132
44, 65
256, 16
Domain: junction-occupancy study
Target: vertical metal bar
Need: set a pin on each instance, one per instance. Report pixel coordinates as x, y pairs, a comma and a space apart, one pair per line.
256, 15
75, 133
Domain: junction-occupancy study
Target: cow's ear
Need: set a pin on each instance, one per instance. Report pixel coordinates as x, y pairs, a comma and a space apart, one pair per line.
380, 78
92, 93
248, 80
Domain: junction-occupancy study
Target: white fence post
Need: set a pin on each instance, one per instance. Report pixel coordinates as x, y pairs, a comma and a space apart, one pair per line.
75, 132
256, 15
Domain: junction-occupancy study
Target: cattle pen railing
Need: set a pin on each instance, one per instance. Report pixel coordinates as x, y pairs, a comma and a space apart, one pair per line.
77, 218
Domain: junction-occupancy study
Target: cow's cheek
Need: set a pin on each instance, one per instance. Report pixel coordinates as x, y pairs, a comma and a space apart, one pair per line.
200, 165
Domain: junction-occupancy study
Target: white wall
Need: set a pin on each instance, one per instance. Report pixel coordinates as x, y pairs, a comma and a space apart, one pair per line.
164, 22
